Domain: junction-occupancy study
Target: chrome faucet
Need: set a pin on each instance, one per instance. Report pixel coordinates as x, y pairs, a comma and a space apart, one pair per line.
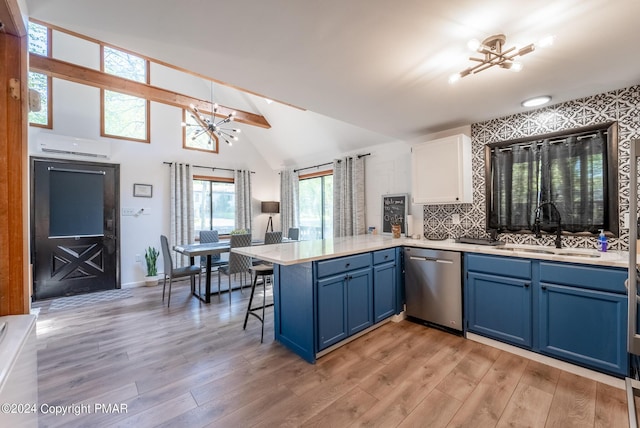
536, 223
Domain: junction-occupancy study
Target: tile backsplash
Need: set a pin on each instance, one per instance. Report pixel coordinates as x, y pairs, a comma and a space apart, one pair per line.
621, 105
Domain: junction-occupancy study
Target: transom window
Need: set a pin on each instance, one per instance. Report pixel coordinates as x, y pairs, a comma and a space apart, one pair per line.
40, 43
124, 116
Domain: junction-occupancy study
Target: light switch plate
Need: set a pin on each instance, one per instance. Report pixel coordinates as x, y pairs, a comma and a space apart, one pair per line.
455, 218
128, 211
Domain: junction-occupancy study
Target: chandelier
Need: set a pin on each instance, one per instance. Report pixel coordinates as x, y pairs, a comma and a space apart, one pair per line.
213, 127
493, 54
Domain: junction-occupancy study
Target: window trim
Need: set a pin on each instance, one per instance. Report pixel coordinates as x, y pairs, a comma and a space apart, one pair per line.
147, 102
315, 174
612, 203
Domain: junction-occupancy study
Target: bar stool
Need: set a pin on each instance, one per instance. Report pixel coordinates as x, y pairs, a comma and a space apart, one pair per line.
264, 271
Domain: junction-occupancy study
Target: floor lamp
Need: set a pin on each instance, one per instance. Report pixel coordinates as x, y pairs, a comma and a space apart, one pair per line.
271, 208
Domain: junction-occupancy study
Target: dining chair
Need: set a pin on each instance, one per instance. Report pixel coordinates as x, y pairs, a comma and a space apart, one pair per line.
294, 233
171, 272
217, 260
272, 238
237, 262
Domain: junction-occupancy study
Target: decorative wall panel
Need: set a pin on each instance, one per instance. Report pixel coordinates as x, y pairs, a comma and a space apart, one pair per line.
621, 105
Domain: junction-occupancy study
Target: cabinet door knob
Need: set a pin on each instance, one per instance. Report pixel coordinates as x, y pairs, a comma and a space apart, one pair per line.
543, 287
526, 285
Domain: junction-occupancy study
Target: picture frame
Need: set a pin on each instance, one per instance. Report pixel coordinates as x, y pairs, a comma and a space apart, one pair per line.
142, 190
394, 209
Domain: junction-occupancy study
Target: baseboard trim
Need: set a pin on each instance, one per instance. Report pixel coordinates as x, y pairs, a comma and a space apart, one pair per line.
351, 338
562, 365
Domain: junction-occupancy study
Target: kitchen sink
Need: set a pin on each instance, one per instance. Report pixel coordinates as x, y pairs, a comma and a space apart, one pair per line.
550, 251
587, 254
525, 250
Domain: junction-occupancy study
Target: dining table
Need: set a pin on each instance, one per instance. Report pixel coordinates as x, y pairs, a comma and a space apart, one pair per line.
208, 250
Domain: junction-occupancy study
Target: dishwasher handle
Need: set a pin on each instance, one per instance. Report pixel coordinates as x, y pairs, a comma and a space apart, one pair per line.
431, 259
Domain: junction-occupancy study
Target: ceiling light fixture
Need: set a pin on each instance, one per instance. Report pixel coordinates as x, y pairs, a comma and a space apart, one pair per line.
491, 48
210, 126
536, 101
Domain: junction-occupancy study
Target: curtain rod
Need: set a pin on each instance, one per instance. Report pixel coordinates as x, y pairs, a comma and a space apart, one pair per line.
327, 163
213, 168
578, 137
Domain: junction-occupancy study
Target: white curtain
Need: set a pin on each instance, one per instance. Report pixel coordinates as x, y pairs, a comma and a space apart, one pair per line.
181, 209
289, 192
242, 179
348, 197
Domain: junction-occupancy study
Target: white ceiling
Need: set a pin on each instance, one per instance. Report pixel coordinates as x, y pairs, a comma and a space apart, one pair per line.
368, 71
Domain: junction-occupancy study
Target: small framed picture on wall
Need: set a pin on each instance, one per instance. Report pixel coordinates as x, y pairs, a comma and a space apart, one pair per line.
142, 190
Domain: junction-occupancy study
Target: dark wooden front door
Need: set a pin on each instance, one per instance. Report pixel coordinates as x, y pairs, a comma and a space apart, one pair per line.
75, 227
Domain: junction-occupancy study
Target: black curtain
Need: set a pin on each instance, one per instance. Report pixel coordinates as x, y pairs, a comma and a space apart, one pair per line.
516, 185
568, 172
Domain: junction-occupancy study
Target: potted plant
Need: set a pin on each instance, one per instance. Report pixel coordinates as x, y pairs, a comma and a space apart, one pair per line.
151, 257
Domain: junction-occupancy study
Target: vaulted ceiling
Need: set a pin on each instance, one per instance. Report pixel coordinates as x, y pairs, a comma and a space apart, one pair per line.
368, 71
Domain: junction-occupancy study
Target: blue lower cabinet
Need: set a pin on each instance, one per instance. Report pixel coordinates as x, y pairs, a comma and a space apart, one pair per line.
345, 306
332, 311
499, 307
385, 291
359, 300
584, 326
573, 312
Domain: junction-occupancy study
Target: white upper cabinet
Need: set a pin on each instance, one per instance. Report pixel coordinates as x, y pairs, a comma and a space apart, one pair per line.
441, 171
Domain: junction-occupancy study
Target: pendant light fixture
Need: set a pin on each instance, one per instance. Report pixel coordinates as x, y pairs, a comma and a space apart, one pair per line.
212, 127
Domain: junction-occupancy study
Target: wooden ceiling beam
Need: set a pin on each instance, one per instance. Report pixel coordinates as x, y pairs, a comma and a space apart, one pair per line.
91, 77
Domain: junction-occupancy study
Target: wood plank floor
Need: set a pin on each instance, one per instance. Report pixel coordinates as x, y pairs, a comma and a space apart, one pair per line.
192, 365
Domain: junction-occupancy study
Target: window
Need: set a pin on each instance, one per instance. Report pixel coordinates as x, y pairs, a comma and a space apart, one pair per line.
193, 138
575, 170
40, 43
214, 201
39, 39
124, 116
316, 205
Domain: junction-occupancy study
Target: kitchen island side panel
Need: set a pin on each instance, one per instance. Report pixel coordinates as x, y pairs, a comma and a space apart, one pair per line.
294, 309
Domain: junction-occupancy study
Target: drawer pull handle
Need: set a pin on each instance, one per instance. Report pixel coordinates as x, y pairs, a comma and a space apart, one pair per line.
526, 285
544, 287
347, 265
386, 257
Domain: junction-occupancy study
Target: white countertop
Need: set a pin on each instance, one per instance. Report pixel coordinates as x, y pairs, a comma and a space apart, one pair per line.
295, 252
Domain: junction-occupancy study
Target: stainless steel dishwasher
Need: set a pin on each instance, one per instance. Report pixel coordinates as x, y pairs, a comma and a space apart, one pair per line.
433, 286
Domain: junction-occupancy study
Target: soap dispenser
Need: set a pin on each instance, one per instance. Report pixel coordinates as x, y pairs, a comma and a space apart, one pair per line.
602, 241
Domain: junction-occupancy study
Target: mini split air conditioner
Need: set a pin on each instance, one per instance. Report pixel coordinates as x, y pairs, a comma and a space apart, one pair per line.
71, 146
